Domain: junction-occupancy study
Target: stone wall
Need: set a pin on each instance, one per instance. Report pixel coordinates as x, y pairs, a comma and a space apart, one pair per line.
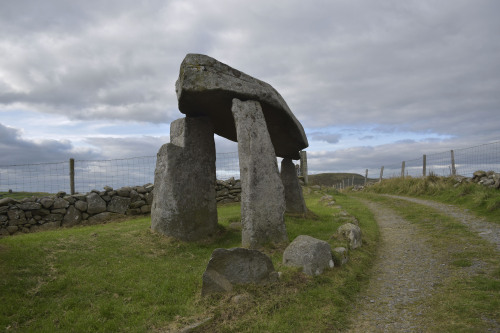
62, 210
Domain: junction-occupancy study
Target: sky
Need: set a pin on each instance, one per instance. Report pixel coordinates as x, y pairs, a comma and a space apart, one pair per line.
371, 82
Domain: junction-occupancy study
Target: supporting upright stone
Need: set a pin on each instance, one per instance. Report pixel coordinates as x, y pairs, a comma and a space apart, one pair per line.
184, 204
293, 191
303, 166
262, 197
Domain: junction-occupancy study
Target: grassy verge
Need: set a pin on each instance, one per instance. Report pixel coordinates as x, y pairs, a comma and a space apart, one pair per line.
482, 200
468, 300
121, 277
22, 195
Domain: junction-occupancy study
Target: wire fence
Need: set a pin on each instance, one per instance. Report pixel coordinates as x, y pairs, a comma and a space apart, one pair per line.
463, 162
95, 174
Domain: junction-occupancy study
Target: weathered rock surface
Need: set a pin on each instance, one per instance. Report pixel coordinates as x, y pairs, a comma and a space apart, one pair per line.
351, 233
102, 217
184, 204
340, 256
294, 198
207, 87
73, 217
119, 205
95, 204
312, 254
262, 197
236, 266
60, 203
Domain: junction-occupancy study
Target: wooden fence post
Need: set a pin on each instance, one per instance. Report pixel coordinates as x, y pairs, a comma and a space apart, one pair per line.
424, 171
381, 173
352, 180
403, 169
72, 175
453, 169
366, 176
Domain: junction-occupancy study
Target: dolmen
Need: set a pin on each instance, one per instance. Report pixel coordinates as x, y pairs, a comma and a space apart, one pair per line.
217, 98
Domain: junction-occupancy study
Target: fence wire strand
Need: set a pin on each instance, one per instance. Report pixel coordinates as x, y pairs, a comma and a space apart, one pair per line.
484, 157
95, 174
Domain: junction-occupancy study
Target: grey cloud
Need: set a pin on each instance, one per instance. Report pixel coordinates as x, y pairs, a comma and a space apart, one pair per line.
327, 137
113, 148
17, 150
357, 159
417, 65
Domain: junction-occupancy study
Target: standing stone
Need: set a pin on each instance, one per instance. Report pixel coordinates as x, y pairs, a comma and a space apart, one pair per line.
303, 167
293, 191
184, 204
262, 197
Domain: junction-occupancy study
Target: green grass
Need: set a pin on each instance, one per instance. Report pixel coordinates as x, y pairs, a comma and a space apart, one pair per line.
469, 299
121, 277
330, 179
22, 195
482, 200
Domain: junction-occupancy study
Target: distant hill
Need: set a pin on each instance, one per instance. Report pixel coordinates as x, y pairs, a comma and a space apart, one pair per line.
330, 179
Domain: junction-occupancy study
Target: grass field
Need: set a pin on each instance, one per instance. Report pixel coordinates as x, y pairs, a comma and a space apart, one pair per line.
330, 179
22, 195
120, 277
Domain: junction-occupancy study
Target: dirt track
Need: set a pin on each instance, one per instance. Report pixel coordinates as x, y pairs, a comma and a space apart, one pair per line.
404, 273
487, 230
406, 270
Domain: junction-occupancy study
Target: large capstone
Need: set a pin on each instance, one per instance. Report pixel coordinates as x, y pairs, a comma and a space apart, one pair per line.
236, 266
293, 191
207, 87
184, 204
262, 196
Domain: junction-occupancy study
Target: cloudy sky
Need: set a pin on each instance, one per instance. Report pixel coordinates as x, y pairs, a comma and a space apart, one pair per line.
372, 82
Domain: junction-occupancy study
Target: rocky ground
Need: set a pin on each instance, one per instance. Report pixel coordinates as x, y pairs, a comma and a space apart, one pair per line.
406, 270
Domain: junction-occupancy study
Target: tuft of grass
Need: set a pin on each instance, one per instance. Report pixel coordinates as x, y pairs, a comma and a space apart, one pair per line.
122, 277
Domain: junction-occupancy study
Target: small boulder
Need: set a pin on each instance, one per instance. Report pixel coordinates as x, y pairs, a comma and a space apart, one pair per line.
119, 205
340, 256
46, 202
7, 201
312, 254
95, 204
29, 206
351, 233
236, 266
72, 217
81, 205
102, 217
60, 203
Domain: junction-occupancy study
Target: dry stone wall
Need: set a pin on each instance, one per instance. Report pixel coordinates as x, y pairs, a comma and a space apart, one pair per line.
62, 210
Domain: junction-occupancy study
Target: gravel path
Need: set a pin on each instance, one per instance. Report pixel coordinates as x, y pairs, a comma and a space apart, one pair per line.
405, 272
487, 230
